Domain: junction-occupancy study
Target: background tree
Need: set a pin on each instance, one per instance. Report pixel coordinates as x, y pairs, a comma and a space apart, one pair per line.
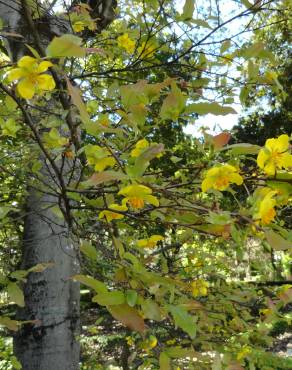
162, 234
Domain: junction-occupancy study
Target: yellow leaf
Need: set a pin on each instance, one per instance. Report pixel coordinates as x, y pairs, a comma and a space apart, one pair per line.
65, 46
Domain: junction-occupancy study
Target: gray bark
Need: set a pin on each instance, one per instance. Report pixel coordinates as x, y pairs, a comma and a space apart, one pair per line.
51, 297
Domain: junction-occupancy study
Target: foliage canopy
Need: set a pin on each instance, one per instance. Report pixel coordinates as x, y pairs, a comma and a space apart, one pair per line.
182, 240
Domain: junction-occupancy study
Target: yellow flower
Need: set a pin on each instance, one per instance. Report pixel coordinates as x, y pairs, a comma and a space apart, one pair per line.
78, 26
99, 157
275, 155
245, 351
31, 77
170, 342
130, 341
125, 42
137, 195
149, 343
220, 177
139, 147
265, 311
199, 288
265, 206
146, 50
149, 243
110, 215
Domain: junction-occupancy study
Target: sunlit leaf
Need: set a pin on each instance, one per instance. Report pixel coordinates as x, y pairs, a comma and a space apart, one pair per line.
277, 242
109, 298
129, 316
183, 320
89, 250
105, 176
188, 9
9, 323
15, 294
65, 46
164, 362
209, 108
98, 286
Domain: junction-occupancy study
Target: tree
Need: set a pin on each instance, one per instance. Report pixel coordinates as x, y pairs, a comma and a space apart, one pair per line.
51, 299
98, 113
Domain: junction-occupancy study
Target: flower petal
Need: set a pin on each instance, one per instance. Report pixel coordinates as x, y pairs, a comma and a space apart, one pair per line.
43, 66
26, 88
46, 82
263, 156
27, 62
103, 163
142, 243
282, 143
152, 200
207, 184
155, 238
270, 168
135, 190
15, 74
286, 160
236, 178
271, 144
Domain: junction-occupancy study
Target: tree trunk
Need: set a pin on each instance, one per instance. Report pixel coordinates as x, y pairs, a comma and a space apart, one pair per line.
51, 297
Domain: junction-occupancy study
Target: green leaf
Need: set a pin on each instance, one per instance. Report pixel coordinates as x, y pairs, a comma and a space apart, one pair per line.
164, 362
9, 127
8, 323
129, 316
54, 140
284, 175
243, 148
98, 286
151, 310
143, 161
40, 267
10, 103
134, 94
175, 159
105, 176
188, 10
277, 242
89, 250
3, 211
19, 275
131, 297
33, 51
201, 23
65, 46
225, 46
183, 320
179, 352
174, 104
15, 294
15, 363
138, 114
109, 298
75, 94
244, 92
221, 218
209, 108
246, 3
